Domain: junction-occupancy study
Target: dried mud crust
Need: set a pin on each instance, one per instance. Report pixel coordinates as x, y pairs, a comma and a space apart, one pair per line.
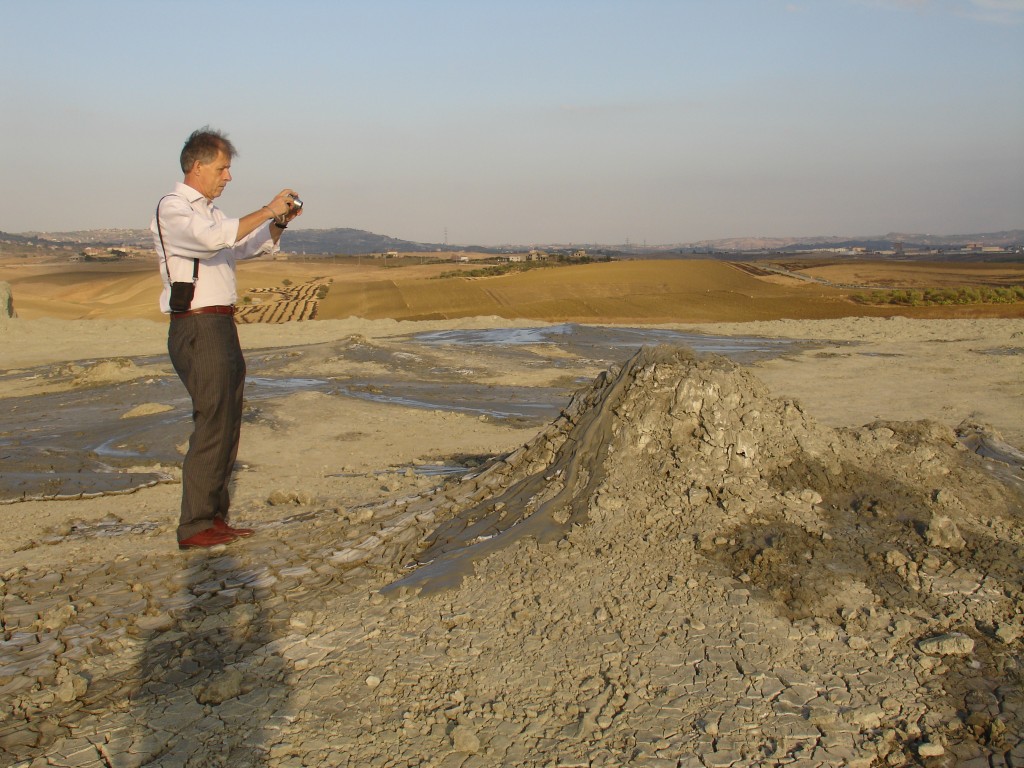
876, 540
680, 570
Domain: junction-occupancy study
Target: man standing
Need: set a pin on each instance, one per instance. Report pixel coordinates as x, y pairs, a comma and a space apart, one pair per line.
197, 244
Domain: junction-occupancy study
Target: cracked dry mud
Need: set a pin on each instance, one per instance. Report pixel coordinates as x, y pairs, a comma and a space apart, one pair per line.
681, 570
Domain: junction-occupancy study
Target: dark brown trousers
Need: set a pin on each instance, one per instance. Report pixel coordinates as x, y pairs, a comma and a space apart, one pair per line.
207, 357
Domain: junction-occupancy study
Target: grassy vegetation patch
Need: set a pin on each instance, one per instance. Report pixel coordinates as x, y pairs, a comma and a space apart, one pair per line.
495, 270
942, 296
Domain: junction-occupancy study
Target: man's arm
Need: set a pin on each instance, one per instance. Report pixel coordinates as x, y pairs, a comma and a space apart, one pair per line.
278, 207
279, 226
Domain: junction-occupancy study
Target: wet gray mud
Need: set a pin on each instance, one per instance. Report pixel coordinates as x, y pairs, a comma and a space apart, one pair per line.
75, 443
608, 344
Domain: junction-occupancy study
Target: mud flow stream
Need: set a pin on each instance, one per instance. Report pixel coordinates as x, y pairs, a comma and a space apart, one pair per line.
77, 442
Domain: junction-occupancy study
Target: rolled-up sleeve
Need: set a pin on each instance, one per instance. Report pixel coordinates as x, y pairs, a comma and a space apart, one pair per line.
256, 243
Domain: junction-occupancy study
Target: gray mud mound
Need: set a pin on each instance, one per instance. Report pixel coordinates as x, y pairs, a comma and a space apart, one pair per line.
763, 587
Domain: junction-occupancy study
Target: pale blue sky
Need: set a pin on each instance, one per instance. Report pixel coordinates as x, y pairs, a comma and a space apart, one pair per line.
570, 121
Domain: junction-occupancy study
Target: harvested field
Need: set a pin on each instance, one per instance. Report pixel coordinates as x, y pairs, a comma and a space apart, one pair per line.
627, 291
283, 305
902, 274
636, 291
642, 291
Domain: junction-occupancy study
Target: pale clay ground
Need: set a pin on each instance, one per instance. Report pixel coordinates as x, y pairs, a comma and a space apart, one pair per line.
712, 610
869, 369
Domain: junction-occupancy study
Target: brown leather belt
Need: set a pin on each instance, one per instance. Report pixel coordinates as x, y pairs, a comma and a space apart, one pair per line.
217, 309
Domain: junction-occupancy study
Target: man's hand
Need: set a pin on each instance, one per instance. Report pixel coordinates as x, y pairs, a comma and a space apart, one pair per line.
282, 204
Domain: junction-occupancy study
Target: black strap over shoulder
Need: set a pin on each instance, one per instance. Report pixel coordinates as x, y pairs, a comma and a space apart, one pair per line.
195, 262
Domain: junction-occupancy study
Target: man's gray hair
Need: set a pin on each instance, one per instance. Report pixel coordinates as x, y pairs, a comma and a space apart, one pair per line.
204, 145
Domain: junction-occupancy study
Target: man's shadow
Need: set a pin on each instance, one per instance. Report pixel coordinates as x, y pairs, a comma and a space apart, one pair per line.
207, 682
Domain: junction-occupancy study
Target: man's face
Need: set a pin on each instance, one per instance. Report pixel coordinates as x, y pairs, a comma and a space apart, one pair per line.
211, 178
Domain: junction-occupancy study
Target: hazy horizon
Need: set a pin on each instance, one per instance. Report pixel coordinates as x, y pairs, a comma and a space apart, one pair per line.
592, 243
656, 121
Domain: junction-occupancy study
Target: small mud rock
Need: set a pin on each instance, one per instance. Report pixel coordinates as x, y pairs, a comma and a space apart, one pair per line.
931, 749
70, 686
225, 686
146, 409
942, 532
953, 644
280, 498
464, 739
1009, 633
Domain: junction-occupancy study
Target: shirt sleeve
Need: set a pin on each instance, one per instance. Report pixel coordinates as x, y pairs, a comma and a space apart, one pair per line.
189, 234
256, 243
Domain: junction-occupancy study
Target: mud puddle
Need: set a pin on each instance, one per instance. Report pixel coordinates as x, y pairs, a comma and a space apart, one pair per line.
78, 442
607, 344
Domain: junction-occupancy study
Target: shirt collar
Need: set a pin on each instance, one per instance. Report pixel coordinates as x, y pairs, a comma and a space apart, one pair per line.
192, 195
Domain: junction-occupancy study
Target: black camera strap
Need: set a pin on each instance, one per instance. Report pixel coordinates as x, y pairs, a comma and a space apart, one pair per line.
195, 262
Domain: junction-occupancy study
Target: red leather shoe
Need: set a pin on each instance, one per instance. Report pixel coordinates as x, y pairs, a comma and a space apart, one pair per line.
220, 525
210, 537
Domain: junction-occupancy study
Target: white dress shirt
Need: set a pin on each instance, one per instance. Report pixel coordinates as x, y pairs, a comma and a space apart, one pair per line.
194, 228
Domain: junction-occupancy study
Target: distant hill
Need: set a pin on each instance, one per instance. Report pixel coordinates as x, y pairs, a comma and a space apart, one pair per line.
340, 240
349, 241
1005, 239
354, 241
